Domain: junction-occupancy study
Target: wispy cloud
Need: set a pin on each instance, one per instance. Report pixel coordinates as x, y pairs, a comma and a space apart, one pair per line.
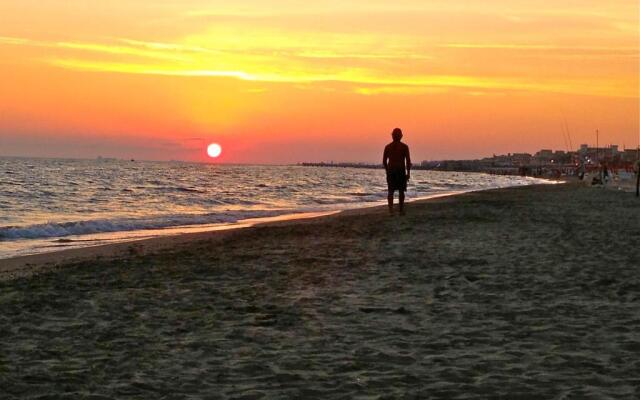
399, 90
129, 68
381, 85
136, 49
172, 47
603, 50
119, 50
15, 41
368, 61
363, 56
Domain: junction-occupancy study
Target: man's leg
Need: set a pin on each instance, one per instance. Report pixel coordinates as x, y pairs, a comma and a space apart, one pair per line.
390, 201
401, 200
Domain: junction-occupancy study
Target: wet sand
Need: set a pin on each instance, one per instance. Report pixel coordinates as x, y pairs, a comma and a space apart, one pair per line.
529, 292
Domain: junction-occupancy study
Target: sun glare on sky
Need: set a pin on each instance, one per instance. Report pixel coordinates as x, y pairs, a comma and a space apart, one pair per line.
289, 81
214, 150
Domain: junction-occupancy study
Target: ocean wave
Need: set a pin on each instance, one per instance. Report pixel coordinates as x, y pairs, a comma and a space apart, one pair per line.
352, 199
190, 190
97, 196
72, 228
360, 194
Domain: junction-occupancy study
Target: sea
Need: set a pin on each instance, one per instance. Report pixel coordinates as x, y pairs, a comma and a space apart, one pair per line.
53, 204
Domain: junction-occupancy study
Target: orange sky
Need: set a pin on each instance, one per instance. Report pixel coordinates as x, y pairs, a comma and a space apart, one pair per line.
281, 82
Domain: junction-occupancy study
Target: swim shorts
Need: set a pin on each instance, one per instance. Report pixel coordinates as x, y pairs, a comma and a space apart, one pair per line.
397, 180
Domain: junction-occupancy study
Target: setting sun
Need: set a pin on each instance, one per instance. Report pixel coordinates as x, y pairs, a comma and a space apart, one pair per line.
214, 150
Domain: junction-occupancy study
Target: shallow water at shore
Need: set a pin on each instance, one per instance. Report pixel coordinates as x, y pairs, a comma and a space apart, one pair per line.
54, 204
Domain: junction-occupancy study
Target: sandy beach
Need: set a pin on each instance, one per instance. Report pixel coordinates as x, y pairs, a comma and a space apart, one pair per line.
527, 293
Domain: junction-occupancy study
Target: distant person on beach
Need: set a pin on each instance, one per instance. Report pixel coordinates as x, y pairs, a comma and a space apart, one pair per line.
397, 163
604, 173
581, 169
636, 168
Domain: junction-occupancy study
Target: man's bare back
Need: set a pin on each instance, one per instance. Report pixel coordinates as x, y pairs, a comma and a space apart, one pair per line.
396, 153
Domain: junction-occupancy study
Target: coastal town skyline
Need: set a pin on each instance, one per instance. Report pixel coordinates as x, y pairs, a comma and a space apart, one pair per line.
608, 152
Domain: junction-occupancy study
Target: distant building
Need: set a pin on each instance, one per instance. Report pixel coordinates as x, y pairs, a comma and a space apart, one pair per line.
544, 162
544, 154
630, 155
521, 158
429, 164
598, 154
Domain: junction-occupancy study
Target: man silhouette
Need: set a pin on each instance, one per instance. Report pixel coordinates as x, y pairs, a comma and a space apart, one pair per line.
397, 163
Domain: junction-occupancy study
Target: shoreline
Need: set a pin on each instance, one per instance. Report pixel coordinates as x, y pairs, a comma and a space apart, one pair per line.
32, 264
28, 265
65, 223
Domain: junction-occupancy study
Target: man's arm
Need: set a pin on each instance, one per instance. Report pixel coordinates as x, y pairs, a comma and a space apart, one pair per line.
385, 157
408, 161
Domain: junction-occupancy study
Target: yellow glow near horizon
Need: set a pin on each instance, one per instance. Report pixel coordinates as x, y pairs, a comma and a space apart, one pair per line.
212, 65
294, 66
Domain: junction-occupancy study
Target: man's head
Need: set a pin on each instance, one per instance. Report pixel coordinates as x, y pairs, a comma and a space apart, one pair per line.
396, 134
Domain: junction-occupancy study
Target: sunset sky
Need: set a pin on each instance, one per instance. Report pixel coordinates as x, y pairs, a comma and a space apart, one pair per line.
281, 81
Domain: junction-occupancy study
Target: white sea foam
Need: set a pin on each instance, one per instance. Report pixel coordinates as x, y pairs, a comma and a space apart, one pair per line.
74, 228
